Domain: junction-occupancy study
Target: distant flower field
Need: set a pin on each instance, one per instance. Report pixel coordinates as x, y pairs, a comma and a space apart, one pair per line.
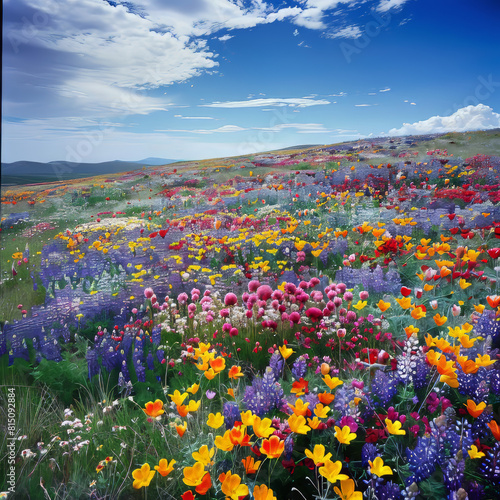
301, 325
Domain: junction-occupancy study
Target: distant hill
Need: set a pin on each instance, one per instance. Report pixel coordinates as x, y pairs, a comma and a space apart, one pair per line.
30, 172
151, 160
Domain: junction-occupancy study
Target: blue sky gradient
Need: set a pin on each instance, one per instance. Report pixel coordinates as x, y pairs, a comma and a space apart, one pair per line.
96, 81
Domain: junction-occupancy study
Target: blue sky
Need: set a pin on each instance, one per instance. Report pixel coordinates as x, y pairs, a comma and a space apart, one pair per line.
96, 80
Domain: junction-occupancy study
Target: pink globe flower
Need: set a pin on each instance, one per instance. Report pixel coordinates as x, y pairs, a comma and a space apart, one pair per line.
264, 292
230, 299
253, 285
148, 293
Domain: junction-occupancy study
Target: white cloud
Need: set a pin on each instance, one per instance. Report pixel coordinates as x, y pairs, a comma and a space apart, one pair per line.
256, 103
363, 105
347, 32
225, 38
387, 89
300, 128
386, 5
194, 117
478, 117
296, 32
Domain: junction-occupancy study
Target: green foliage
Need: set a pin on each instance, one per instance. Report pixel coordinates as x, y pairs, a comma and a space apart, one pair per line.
65, 378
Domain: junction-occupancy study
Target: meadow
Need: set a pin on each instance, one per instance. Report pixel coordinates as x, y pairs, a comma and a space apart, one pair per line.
315, 323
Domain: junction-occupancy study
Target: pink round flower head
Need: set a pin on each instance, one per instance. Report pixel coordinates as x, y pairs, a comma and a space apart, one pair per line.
348, 296
230, 299
363, 295
314, 314
304, 285
148, 293
337, 301
182, 298
341, 287
351, 316
290, 288
264, 292
294, 317
253, 285
313, 282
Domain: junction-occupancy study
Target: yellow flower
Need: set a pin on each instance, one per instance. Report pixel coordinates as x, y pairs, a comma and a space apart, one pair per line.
474, 453
331, 471
321, 411
164, 468
405, 302
285, 351
418, 313
247, 418
231, 486
193, 389
224, 442
300, 407
193, 406
439, 320
142, 477
262, 492
360, 304
318, 455
378, 468
178, 398
484, 360
203, 455
332, 382
394, 427
348, 492
297, 424
262, 428
383, 306
344, 435
313, 423
464, 284
193, 476
215, 421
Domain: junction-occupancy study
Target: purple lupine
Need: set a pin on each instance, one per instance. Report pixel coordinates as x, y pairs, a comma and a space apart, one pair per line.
92, 362
231, 414
299, 368
276, 363
369, 452
384, 387
156, 335
422, 459
140, 371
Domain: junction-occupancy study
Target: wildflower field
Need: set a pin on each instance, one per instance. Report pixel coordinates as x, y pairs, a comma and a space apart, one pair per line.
315, 323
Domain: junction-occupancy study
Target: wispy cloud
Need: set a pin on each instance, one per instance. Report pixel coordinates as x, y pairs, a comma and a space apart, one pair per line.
347, 32
194, 117
257, 103
480, 117
300, 128
225, 38
386, 5
387, 89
